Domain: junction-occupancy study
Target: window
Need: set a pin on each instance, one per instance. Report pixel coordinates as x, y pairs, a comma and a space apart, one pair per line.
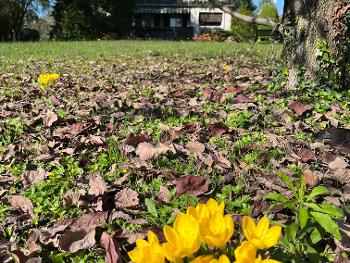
176, 22
210, 19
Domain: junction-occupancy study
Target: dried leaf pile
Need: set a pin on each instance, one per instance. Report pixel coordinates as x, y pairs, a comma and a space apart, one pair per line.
118, 146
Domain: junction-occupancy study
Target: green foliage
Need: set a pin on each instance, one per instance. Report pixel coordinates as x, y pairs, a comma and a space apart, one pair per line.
268, 10
80, 19
29, 34
314, 221
243, 31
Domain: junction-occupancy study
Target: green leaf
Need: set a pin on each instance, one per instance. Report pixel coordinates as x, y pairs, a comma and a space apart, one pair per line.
303, 217
318, 190
302, 187
288, 182
151, 207
291, 232
331, 210
327, 223
315, 236
276, 197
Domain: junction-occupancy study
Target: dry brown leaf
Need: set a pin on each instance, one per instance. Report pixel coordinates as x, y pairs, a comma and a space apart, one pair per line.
112, 248
97, 185
126, 198
147, 151
217, 129
195, 147
338, 163
73, 241
90, 220
22, 204
33, 177
50, 118
299, 107
306, 155
191, 185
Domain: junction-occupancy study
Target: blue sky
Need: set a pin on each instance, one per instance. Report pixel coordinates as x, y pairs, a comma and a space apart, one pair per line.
279, 4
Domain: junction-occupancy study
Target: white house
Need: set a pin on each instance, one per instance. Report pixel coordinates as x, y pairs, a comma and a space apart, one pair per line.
177, 19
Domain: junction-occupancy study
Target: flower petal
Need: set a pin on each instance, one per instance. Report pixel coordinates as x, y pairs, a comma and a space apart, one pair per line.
171, 236
272, 236
262, 227
249, 227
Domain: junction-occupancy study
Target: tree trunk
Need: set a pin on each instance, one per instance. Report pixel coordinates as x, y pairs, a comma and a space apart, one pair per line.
313, 21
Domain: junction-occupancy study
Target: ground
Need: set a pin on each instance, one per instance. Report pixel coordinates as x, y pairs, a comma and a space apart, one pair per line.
134, 131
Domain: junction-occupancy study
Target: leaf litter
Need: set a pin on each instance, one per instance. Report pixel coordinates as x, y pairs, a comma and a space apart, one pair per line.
79, 160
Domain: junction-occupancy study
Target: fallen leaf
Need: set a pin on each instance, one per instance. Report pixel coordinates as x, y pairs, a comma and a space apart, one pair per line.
338, 163
299, 107
306, 155
112, 248
147, 151
33, 177
98, 140
73, 241
90, 220
163, 194
97, 185
217, 129
126, 198
195, 147
50, 118
311, 178
191, 185
22, 204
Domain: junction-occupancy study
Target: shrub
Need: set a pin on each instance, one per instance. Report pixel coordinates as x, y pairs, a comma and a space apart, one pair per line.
268, 10
243, 31
29, 34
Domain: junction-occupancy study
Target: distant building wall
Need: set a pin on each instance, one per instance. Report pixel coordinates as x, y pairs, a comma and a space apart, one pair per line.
197, 28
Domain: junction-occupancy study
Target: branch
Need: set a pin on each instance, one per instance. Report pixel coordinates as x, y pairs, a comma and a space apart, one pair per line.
245, 18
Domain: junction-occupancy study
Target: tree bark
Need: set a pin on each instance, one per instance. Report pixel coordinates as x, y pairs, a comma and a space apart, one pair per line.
313, 21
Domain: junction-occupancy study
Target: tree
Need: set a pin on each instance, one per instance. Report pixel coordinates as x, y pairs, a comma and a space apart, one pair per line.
14, 13
311, 22
91, 19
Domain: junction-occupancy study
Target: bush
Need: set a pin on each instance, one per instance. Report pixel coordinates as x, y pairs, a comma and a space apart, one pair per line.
243, 31
268, 10
29, 34
213, 36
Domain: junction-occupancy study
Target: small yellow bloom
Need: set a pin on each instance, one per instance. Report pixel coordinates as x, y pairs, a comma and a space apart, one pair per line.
226, 68
183, 239
45, 79
246, 253
147, 252
216, 228
211, 259
260, 235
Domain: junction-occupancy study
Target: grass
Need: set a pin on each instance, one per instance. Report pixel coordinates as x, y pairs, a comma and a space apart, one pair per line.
118, 89
50, 51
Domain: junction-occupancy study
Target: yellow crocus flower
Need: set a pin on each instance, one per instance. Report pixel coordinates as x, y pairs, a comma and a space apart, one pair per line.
215, 227
211, 259
260, 235
183, 239
246, 253
45, 79
147, 252
226, 68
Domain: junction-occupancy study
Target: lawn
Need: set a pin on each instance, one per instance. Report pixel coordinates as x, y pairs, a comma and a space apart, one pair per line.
134, 132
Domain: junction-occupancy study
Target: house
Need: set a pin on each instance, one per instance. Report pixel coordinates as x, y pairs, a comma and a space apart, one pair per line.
177, 19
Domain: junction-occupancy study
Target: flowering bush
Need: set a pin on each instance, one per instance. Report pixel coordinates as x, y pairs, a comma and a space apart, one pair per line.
46, 79
201, 235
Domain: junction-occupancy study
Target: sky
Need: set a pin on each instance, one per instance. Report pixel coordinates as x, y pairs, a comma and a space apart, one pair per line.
279, 4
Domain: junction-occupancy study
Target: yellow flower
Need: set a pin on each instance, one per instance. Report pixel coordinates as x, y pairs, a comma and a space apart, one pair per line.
211, 259
246, 253
183, 239
226, 68
215, 227
147, 252
260, 235
45, 79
